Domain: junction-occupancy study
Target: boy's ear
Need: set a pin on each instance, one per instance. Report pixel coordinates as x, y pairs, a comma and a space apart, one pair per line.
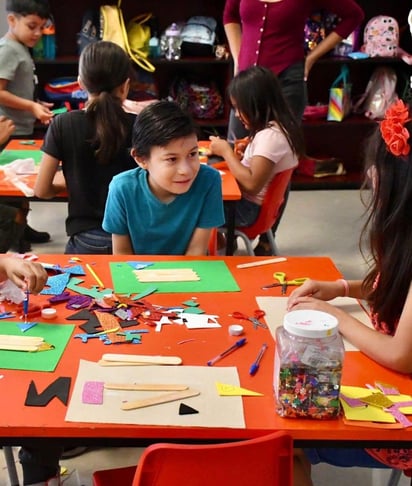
140, 161
11, 19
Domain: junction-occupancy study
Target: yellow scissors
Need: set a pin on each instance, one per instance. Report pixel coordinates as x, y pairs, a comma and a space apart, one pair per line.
284, 283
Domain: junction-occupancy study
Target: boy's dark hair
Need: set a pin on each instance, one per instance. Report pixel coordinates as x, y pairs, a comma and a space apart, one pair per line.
158, 124
40, 8
103, 67
258, 96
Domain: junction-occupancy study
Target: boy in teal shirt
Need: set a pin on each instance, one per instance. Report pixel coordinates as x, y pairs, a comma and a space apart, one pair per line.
170, 203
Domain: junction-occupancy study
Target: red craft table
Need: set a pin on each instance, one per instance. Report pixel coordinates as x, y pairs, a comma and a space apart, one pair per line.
19, 422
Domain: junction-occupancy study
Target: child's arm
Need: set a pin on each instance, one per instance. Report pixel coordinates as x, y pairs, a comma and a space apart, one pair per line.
39, 111
122, 245
394, 352
199, 242
6, 129
23, 273
46, 187
251, 179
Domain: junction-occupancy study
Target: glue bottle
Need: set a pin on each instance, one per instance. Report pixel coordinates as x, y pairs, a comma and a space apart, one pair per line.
308, 365
49, 40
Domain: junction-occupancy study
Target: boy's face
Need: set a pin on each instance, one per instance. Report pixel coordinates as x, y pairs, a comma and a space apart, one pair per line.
172, 168
27, 30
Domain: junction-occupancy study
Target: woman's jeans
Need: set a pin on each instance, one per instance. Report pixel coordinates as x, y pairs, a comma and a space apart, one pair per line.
91, 242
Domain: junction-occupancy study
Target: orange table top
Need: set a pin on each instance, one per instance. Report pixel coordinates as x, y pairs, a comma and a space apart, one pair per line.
230, 188
18, 421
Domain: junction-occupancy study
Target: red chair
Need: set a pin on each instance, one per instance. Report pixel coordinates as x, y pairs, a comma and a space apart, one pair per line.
268, 215
266, 460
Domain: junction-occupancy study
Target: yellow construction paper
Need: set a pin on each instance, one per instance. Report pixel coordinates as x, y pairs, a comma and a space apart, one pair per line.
231, 390
371, 413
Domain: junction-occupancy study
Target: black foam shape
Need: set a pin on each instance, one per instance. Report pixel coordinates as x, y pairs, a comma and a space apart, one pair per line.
186, 410
92, 326
83, 314
58, 388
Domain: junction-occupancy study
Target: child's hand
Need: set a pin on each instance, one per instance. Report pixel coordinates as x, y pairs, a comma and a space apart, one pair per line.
24, 274
6, 129
314, 288
42, 112
219, 146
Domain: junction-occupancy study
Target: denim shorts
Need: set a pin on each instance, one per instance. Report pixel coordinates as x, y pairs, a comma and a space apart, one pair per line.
91, 242
343, 457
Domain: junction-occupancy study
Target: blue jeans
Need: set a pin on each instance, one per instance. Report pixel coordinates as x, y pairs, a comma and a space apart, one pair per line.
92, 242
246, 212
342, 457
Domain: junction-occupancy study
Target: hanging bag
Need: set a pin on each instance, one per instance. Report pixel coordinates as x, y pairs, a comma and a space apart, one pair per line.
114, 30
339, 96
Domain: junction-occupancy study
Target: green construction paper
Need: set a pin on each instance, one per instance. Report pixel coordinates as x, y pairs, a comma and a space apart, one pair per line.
56, 334
214, 277
8, 156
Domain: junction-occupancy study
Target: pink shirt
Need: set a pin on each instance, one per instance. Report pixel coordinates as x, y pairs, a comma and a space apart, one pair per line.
272, 144
272, 33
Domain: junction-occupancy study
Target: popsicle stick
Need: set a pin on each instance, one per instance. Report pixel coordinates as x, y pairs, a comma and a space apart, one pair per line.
142, 358
167, 275
103, 362
17, 347
145, 387
261, 262
12, 339
165, 398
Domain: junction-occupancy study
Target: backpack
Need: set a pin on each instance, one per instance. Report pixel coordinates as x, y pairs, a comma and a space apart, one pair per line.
198, 36
381, 36
380, 93
90, 30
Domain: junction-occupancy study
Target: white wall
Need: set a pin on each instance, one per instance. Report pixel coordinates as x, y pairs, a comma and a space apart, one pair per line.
3, 21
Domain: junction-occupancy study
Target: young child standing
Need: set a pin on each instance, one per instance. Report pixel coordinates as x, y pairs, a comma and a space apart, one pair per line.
26, 19
275, 139
387, 287
92, 146
170, 203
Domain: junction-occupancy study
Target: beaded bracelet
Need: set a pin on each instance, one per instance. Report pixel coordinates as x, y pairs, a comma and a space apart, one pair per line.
345, 286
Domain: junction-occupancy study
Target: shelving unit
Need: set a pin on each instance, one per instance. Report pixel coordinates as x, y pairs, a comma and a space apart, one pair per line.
346, 140
68, 20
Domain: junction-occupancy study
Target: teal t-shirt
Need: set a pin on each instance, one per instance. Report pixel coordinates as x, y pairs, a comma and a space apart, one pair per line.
158, 228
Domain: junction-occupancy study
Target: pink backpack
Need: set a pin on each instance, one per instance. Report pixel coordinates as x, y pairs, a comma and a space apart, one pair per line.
381, 36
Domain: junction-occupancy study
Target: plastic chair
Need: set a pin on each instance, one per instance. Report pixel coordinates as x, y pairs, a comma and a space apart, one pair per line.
261, 461
396, 475
268, 215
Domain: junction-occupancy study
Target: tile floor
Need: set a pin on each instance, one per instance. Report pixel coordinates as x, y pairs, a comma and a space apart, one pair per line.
314, 223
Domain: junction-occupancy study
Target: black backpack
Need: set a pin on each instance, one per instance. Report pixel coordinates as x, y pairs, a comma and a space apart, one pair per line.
90, 31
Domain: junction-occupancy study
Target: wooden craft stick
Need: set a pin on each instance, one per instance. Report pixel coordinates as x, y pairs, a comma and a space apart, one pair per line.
103, 362
140, 358
165, 398
19, 347
144, 387
261, 262
95, 276
7, 339
167, 275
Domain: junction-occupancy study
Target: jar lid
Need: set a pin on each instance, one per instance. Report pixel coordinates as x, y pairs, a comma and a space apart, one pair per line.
310, 323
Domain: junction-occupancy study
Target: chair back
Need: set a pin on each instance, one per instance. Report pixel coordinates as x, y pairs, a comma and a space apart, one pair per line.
266, 460
272, 203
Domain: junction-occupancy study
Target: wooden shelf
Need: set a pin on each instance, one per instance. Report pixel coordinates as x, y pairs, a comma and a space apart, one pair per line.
351, 180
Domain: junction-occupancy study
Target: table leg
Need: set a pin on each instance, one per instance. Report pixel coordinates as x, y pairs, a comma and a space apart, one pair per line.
230, 227
11, 465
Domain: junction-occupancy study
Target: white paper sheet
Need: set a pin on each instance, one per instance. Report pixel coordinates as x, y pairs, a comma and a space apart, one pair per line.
214, 410
275, 308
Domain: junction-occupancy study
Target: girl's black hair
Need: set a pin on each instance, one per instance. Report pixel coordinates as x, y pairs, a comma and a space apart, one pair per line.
388, 229
258, 96
40, 8
158, 124
103, 67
